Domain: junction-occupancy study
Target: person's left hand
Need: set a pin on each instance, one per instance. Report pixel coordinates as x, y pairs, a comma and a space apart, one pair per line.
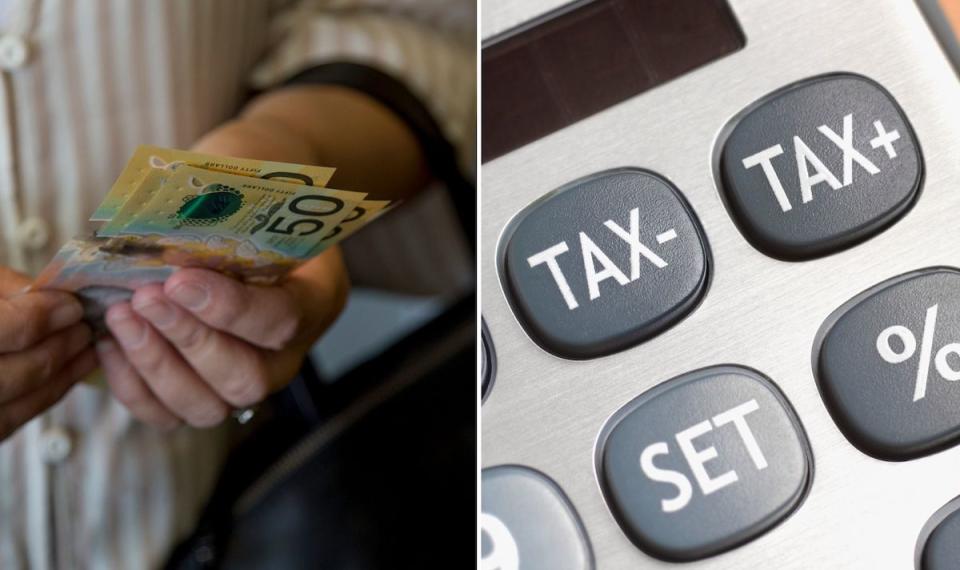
201, 344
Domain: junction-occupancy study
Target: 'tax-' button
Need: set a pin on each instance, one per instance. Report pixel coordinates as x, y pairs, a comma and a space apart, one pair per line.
604, 263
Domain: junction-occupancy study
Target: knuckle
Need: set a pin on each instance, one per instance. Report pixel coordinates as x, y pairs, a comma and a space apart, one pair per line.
232, 305
211, 414
251, 387
41, 364
148, 358
286, 331
25, 335
126, 392
193, 337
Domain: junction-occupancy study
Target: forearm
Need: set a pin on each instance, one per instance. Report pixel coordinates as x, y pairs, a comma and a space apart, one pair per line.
372, 149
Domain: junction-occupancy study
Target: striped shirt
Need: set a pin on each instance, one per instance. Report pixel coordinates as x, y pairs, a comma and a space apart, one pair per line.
82, 83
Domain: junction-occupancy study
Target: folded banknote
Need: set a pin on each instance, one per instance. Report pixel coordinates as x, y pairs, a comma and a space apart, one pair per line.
252, 220
147, 159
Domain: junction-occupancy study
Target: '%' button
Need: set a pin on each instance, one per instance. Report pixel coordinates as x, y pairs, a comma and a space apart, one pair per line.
888, 365
819, 166
604, 263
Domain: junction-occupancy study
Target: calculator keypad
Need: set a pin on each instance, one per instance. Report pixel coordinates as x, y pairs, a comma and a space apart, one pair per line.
819, 166
604, 263
712, 459
527, 523
703, 463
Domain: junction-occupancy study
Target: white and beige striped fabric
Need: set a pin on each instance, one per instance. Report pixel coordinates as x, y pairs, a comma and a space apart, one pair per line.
82, 82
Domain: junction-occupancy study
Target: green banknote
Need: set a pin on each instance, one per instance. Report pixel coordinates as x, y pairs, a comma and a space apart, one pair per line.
191, 204
149, 158
251, 220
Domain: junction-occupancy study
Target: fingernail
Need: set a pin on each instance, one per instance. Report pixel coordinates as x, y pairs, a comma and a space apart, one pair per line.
128, 331
65, 315
191, 295
159, 312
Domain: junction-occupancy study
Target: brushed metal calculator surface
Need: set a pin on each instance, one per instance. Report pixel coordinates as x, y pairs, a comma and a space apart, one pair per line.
546, 413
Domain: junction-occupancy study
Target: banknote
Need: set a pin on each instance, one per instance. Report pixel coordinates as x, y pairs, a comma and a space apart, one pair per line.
149, 158
104, 271
251, 220
364, 212
192, 204
98, 278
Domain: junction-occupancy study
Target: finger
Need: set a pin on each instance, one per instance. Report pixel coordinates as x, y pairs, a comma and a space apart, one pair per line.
232, 367
28, 370
170, 379
129, 388
264, 316
28, 406
12, 282
26, 319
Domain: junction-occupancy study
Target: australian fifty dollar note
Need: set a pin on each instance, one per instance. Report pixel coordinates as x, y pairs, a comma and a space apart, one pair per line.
192, 205
147, 159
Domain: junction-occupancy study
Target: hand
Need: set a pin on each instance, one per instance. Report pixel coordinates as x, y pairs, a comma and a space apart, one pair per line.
201, 344
44, 349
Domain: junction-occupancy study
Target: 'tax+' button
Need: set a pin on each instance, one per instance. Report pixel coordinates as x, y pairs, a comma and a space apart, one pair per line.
819, 166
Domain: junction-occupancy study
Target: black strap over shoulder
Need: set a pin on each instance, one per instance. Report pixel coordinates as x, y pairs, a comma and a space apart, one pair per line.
395, 95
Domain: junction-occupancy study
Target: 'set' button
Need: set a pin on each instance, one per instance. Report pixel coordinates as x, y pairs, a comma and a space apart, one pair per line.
703, 463
604, 263
888, 365
819, 166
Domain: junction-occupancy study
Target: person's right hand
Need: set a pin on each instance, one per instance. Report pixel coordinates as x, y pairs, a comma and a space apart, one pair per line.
44, 349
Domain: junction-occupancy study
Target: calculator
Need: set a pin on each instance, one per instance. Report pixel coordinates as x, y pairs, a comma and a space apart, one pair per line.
720, 264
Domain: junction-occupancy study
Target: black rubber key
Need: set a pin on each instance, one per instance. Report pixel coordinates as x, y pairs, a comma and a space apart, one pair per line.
703, 463
940, 539
819, 166
488, 360
604, 263
527, 523
888, 362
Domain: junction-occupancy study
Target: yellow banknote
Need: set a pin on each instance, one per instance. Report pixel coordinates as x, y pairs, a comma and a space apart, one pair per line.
149, 158
193, 204
364, 213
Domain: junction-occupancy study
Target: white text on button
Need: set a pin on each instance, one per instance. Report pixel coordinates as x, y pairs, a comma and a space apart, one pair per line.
503, 554
698, 458
593, 255
807, 159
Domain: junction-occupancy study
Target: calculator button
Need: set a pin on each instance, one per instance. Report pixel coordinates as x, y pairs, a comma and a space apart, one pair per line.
941, 546
527, 523
888, 362
488, 360
604, 263
703, 463
819, 166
